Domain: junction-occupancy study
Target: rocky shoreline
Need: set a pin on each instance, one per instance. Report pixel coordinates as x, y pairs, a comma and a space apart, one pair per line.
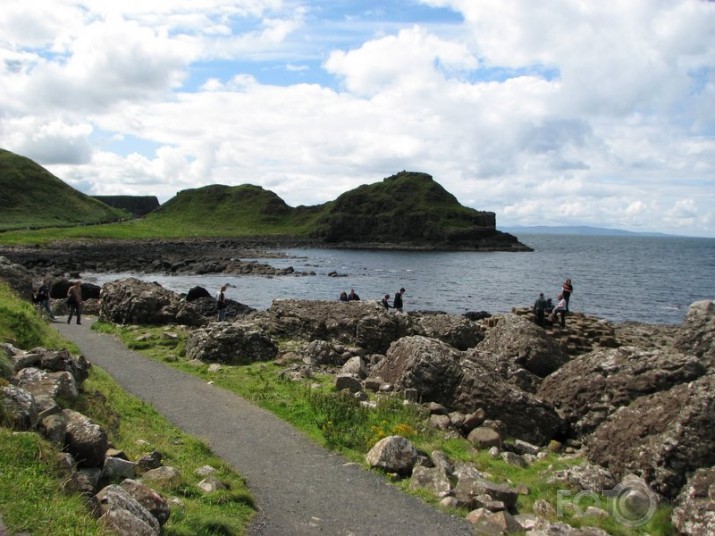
632, 399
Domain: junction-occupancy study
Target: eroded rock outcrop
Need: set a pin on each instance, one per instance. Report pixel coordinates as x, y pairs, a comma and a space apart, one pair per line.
519, 340
662, 436
592, 386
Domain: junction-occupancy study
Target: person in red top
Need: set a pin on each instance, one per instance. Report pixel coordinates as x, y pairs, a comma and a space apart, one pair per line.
566, 290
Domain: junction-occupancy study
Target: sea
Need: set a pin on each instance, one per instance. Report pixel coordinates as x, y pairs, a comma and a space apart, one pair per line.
650, 279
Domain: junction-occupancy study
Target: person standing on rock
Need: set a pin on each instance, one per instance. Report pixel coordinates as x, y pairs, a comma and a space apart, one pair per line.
74, 302
397, 303
221, 303
566, 291
386, 302
540, 309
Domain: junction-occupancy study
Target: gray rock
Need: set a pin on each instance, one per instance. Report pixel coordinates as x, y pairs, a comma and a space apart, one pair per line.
343, 381
694, 513
20, 407
432, 479
662, 437
427, 365
592, 386
132, 301
394, 454
233, 344
697, 335
484, 437
118, 468
455, 330
85, 440
519, 340
123, 514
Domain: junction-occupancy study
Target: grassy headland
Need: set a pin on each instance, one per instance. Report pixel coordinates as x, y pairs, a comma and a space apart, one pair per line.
33, 197
408, 209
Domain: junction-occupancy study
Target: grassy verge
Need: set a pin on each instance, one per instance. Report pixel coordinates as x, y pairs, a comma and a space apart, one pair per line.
31, 496
340, 423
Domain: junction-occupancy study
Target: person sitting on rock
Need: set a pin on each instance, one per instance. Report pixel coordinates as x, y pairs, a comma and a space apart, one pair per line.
343, 296
353, 296
561, 310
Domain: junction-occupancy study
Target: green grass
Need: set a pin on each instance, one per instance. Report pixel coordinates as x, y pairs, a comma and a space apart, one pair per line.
31, 496
22, 326
33, 197
338, 422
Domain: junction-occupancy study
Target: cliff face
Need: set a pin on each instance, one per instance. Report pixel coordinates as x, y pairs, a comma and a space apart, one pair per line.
137, 205
410, 209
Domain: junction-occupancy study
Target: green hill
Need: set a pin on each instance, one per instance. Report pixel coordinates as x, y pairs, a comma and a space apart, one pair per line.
30, 196
407, 208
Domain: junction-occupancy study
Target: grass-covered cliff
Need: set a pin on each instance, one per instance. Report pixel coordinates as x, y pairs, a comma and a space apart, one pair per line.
408, 209
30, 196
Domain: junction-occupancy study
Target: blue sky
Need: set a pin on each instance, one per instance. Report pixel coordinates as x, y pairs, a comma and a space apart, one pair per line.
561, 112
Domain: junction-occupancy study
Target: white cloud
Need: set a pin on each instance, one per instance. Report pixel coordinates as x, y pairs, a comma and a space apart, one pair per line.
554, 112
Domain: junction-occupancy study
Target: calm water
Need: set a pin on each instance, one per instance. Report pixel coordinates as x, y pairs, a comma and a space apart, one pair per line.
646, 279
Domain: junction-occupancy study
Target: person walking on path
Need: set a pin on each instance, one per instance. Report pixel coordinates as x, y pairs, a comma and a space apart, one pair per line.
74, 302
540, 309
397, 303
43, 297
325, 494
221, 303
566, 291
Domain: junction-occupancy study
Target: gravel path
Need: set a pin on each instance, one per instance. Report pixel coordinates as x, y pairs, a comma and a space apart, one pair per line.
300, 488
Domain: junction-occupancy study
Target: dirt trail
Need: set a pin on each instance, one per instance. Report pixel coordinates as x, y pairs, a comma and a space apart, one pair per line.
300, 488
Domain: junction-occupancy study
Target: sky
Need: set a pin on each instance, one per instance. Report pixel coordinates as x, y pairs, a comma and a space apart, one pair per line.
555, 112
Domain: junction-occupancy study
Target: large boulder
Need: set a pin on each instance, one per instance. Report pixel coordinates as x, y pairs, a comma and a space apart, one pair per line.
455, 330
697, 335
591, 387
519, 340
662, 436
361, 323
234, 344
132, 301
525, 415
429, 366
56, 385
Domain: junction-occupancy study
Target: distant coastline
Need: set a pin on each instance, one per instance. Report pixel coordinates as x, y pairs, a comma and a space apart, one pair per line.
577, 230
